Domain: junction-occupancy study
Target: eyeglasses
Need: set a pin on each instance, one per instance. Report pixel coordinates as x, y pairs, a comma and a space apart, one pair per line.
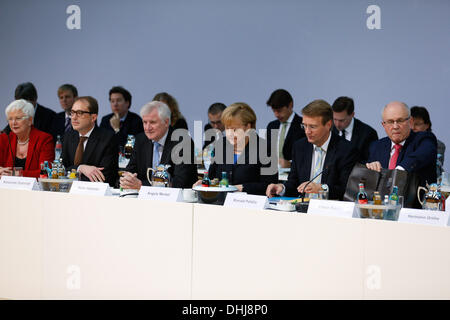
398, 121
312, 127
17, 119
79, 113
215, 122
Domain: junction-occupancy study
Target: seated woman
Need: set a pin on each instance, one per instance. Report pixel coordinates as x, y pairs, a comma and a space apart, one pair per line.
238, 154
177, 120
25, 146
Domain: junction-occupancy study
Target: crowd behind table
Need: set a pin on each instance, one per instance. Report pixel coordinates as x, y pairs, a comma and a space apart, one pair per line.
320, 143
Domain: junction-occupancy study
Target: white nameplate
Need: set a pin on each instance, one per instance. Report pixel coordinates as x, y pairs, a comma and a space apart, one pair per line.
161, 194
428, 217
243, 200
447, 204
91, 188
19, 183
331, 208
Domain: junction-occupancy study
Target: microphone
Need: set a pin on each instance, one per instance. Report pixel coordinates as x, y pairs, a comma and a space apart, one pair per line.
302, 194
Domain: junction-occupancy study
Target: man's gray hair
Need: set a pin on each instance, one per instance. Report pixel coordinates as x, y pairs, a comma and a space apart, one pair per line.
21, 104
163, 109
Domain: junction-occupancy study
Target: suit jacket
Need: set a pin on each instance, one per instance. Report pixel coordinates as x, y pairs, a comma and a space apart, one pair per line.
101, 151
180, 124
43, 120
213, 138
247, 173
131, 125
59, 125
362, 136
418, 155
183, 175
294, 133
340, 158
40, 148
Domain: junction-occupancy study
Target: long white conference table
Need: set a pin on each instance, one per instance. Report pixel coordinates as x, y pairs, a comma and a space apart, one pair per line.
63, 246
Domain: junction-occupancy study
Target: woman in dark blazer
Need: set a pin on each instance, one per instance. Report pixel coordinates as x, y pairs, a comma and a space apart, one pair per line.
25, 146
239, 154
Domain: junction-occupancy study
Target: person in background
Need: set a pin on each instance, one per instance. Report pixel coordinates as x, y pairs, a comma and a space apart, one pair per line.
321, 158
238, 153
177, 120
346, 125
403, 149
421, 122
67, 93
43, 117
121, 121
288, 124
215, 122
25, 146
89, 149
154, 147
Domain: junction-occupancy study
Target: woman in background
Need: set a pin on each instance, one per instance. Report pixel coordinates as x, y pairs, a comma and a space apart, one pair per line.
177, 120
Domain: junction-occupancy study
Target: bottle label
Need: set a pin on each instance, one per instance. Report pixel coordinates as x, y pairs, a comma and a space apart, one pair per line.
363, 201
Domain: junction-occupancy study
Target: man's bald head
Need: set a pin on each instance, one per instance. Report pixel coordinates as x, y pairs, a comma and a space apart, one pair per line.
396, 121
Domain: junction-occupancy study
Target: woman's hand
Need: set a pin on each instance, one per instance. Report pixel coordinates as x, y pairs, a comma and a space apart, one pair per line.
7, 171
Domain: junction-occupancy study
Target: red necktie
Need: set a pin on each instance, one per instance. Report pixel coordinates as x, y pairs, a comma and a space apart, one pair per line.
393, 161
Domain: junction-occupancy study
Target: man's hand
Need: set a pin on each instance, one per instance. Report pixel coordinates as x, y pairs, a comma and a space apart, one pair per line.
115, 122
311, 188
376, 166
93, 173
130, 181
273, 189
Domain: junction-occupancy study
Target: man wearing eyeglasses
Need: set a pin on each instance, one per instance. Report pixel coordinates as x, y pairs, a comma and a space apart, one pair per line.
89, 149
403, 148
320, 158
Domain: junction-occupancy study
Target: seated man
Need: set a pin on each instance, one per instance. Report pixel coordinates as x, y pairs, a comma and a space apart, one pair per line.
403, 148
122, 121
43, 117
320, 158
215, 122
357, 132
90, 149
154, 146
421, 122
67, 94
288, 124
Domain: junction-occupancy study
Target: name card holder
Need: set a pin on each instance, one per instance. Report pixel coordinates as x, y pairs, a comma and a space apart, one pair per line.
427, 217
19, 183
161, 194
90, 188
243, 200
331, 208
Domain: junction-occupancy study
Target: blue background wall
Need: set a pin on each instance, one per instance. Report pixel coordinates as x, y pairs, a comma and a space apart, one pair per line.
236, 50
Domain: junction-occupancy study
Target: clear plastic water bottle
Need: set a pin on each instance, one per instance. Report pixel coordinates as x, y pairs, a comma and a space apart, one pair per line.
58, 147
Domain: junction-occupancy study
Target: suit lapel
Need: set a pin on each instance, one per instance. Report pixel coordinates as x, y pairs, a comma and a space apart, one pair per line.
330, 156
31, 147
167, 149
305, 166
90, 145
403, 149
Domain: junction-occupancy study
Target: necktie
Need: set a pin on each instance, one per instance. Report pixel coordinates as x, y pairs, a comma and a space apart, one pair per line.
155, 154
317, 163
79, 152
394, 158
281, 141
343, 133
67, 124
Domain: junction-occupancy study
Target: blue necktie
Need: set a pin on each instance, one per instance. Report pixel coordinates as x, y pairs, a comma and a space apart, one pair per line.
67, 125
155, 154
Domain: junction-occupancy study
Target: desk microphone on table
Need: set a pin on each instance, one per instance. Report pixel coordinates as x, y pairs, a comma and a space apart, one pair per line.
302, 194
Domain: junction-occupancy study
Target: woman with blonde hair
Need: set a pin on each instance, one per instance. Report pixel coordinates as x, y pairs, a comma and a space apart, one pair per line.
238, 154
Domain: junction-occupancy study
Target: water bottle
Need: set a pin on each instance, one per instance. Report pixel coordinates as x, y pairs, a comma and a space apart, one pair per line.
58, 147
439, 168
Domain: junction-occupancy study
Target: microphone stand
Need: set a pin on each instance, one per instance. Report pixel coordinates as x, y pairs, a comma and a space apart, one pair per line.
302, 194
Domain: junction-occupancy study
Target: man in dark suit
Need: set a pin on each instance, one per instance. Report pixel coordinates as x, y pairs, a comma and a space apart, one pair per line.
43, 117
67, 94
88, 148
322, 155
346, 125
214, 116
288, 123
403, 148
121, 121
154, 146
